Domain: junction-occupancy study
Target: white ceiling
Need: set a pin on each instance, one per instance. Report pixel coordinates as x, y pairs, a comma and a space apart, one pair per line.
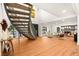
47, 12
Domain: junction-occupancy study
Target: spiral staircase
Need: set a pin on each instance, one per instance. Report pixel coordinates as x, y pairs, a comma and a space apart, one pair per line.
20, 17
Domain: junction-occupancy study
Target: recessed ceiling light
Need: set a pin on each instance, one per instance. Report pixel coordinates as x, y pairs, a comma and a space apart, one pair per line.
64, 11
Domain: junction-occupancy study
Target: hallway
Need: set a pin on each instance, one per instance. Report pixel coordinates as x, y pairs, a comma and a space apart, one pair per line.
46, 47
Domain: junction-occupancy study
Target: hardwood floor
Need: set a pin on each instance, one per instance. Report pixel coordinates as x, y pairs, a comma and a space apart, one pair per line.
46, 47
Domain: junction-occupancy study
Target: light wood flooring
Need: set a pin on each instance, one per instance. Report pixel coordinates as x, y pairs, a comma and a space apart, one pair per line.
44, 46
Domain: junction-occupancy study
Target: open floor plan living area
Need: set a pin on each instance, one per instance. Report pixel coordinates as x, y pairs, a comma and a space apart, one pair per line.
39, 29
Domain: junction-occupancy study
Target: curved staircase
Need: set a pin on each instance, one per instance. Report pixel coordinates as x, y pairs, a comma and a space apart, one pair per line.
20, 17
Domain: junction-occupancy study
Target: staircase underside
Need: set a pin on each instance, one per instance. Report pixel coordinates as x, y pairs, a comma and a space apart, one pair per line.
20, 17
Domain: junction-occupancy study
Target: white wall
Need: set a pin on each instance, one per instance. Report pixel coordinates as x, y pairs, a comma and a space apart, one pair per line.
52, 26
